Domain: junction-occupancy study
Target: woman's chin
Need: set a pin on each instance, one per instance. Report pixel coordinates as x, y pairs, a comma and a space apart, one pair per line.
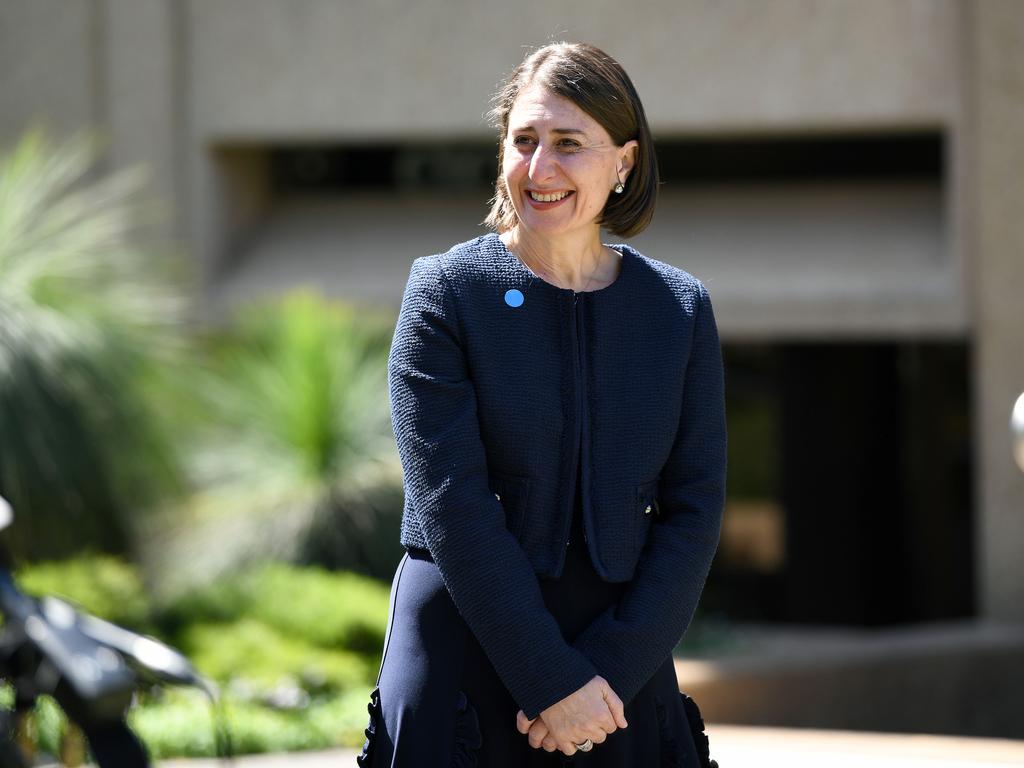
543, 225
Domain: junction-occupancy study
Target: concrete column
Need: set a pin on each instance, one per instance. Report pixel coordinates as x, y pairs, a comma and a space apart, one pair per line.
47, 68
995, 211
143, 110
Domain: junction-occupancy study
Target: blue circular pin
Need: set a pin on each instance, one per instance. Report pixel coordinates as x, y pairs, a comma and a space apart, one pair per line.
514, 297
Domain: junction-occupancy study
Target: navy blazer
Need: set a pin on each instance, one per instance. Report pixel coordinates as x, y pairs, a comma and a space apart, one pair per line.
493, 375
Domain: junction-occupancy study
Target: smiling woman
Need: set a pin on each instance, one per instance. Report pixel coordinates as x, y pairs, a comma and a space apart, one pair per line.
559, 164
558, 408
597, 94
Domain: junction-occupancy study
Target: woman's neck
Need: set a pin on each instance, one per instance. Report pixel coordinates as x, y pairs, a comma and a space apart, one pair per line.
580, 262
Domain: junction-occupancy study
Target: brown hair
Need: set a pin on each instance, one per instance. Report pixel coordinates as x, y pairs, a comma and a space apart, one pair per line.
597, 84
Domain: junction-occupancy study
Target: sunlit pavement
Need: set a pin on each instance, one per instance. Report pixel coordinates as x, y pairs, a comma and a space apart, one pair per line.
332, 758
735, 746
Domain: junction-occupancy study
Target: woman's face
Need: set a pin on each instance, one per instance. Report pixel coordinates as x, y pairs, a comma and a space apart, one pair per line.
559, 164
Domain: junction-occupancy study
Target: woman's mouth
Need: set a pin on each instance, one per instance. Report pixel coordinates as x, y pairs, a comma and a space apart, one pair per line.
547, 199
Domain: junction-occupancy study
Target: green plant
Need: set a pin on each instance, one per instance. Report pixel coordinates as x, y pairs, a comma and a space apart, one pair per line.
267, 629
98, 584
294, 649
291, 452
46, 723
82, 312
262, 658
180, 725
318, 607
274, 631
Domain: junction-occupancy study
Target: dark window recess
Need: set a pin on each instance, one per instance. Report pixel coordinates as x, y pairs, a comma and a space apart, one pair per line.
793, 158
858, 456
386, 167
471, 166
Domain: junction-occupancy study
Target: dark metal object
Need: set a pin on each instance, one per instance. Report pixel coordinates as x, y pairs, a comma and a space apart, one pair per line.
90, 666
1017, 430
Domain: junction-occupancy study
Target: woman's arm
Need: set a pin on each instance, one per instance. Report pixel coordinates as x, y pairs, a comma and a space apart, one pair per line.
627, 642
490, 580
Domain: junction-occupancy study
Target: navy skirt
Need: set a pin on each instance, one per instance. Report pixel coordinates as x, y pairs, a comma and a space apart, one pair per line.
439, 702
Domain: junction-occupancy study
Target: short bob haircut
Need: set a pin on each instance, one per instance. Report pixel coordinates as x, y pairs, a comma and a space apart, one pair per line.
597, 84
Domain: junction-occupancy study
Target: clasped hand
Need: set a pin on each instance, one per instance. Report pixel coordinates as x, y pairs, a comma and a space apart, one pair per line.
592, 713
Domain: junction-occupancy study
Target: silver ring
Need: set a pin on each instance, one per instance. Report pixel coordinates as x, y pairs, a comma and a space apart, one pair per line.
586, 746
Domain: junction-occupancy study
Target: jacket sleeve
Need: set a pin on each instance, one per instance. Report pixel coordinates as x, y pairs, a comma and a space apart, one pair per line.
486, 572
629, 641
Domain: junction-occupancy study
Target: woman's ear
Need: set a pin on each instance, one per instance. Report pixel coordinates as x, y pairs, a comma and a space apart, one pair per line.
627, 158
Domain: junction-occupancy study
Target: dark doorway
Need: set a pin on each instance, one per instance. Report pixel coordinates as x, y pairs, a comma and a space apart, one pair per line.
849, 484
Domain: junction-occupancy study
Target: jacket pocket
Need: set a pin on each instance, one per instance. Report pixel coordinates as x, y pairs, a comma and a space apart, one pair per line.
644, 509
513, 492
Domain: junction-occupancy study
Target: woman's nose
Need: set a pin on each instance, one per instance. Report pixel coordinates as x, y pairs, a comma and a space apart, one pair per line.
542, 164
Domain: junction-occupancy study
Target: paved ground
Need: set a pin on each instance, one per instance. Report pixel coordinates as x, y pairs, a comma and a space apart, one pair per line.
736, 746
750, 747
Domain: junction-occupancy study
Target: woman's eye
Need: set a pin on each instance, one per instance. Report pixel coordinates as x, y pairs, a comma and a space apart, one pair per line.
569, 145
522, 141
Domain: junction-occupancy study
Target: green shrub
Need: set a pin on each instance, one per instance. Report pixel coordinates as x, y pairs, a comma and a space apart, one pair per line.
290, 454
85, 312
344, 717
98, 584
182, 724
329, 610
46, 722
342, 610
250, 651
306, 632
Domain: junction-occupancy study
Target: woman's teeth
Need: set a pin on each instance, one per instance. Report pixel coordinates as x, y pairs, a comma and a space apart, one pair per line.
548, 198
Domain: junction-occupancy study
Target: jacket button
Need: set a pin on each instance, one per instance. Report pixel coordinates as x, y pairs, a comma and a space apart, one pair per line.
647, 509
497, 496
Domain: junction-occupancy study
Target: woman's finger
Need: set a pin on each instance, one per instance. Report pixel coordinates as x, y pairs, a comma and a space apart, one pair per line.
615, 707
522, 724
568, 748
606, 723
538, 732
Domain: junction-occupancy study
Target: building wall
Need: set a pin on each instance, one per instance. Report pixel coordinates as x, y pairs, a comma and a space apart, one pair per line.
48, 66
264, 68
182, 85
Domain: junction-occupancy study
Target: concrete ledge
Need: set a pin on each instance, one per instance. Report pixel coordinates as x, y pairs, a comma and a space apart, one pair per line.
958, 678
746, 747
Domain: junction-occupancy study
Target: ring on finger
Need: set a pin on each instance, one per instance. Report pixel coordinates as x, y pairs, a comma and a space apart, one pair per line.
586, 746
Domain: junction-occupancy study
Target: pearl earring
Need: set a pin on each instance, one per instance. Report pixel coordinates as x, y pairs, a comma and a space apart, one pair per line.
618, 188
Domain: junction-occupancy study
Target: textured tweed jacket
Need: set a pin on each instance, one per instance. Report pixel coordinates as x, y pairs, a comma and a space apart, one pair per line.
497, 378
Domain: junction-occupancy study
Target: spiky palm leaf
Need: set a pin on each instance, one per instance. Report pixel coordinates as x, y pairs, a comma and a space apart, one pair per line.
293, 454
81, 310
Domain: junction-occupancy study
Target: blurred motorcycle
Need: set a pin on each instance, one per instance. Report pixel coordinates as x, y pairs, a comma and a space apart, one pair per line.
91, 667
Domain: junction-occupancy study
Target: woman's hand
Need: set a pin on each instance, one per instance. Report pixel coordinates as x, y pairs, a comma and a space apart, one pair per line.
592, 713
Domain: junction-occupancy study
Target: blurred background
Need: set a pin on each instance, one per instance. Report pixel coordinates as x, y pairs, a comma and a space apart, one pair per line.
197, 303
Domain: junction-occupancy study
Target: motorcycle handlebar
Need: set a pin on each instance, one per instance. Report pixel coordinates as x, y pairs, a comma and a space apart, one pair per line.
99, 663
88, 679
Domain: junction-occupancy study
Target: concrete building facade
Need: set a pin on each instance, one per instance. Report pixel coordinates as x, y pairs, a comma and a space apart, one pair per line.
217, 96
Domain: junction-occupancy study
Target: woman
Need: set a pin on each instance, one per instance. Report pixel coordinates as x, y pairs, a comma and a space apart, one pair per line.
559, 414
